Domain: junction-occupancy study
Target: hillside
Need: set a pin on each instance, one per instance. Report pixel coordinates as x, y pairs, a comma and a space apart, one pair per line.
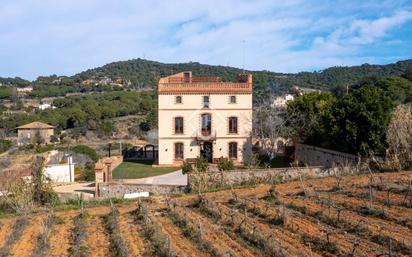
144, 74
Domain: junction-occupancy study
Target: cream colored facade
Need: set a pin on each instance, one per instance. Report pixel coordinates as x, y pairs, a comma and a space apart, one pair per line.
213, 140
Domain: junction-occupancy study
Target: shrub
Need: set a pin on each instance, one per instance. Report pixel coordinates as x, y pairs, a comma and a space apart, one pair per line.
43, 149
87, 173
118, 246
225, 164
5, 145
263, 160
43, 243
80, 249
17, 232
84, 149
54, 139
186, 168
201, 164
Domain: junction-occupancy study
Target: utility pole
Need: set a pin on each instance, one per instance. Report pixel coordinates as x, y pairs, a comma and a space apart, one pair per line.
110, 148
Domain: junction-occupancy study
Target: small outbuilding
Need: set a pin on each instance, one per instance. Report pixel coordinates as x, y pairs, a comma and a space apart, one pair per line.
34, 133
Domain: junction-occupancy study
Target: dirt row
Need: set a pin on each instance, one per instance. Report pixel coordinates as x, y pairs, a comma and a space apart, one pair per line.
304, 218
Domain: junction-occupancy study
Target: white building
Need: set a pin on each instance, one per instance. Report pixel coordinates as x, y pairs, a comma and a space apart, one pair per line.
203, 116
61, 173
46, 106
281, 101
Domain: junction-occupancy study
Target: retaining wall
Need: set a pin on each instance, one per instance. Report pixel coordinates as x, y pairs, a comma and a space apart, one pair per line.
218, 179
312, 155
247, 177
120, 189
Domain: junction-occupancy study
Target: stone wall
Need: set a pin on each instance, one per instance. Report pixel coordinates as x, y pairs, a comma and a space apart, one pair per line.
248, 177
28, 136
312, 155
120, 189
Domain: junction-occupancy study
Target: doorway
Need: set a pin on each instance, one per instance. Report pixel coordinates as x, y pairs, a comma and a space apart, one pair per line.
207, 151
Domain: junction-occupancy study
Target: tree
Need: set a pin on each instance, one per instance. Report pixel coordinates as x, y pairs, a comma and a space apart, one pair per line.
307, 115
84, 149
354, 123
38, 139
20, 196
408, 72
5, 145
399, 138
358, 122
43, 193
397, 88
270, 122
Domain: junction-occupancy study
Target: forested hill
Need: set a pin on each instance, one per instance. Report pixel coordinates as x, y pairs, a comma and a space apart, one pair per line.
139, 73
147, 73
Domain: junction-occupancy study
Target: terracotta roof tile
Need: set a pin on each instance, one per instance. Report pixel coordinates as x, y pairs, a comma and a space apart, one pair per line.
36, 125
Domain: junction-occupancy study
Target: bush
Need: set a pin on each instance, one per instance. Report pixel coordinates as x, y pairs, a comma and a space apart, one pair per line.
118, 246
186, 168
87, 173
5, 145
43, 149
84, 149
201, 164
225, 164
263, 160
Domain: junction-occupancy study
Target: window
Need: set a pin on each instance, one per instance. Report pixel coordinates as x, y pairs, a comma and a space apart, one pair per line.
206, 124
233, 150
178, 99
179, 151
186, 77
232, 99
233, 125
206, 101
179, 125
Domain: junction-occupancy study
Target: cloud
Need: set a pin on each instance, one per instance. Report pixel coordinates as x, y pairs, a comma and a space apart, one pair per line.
66, 37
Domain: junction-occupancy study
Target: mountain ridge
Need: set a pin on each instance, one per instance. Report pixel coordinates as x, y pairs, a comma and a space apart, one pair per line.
145, 74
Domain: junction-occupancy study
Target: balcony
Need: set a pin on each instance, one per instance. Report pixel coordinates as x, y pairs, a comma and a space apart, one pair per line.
206, 135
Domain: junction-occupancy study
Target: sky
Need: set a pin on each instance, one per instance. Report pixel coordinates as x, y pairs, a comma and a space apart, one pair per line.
64, 37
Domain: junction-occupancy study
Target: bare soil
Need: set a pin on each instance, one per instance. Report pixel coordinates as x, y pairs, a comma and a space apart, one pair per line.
321, 220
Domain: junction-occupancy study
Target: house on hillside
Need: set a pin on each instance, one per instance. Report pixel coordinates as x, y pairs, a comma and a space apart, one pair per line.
203, 116
34, 133
24, 90
282, 101
46, 106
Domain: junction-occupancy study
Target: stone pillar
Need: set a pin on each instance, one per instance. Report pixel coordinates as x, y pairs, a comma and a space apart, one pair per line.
99, 177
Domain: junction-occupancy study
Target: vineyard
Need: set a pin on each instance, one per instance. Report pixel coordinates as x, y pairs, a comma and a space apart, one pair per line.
364, 215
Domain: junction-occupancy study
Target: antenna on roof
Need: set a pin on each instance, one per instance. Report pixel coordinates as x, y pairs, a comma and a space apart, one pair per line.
243, 56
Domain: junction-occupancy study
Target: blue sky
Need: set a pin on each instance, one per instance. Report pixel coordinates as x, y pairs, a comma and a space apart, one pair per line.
44, 37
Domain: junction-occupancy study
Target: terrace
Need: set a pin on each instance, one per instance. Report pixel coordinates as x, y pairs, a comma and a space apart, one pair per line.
185, 82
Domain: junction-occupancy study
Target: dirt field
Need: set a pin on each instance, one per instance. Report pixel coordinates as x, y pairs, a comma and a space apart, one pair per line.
352, 216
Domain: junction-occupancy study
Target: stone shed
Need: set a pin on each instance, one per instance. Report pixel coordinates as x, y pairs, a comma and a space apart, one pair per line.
34, 133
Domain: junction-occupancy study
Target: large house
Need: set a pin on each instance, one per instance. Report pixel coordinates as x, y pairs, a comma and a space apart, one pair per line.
203, 116
34, 133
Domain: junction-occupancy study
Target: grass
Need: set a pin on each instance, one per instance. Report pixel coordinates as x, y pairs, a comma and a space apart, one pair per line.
140, 169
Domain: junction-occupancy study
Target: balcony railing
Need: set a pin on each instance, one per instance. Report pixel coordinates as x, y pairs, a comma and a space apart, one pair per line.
206, 135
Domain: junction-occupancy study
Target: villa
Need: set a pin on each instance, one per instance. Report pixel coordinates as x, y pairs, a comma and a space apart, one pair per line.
203, 116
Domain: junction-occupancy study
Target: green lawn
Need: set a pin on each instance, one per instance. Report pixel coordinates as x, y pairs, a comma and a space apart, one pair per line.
139, 169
